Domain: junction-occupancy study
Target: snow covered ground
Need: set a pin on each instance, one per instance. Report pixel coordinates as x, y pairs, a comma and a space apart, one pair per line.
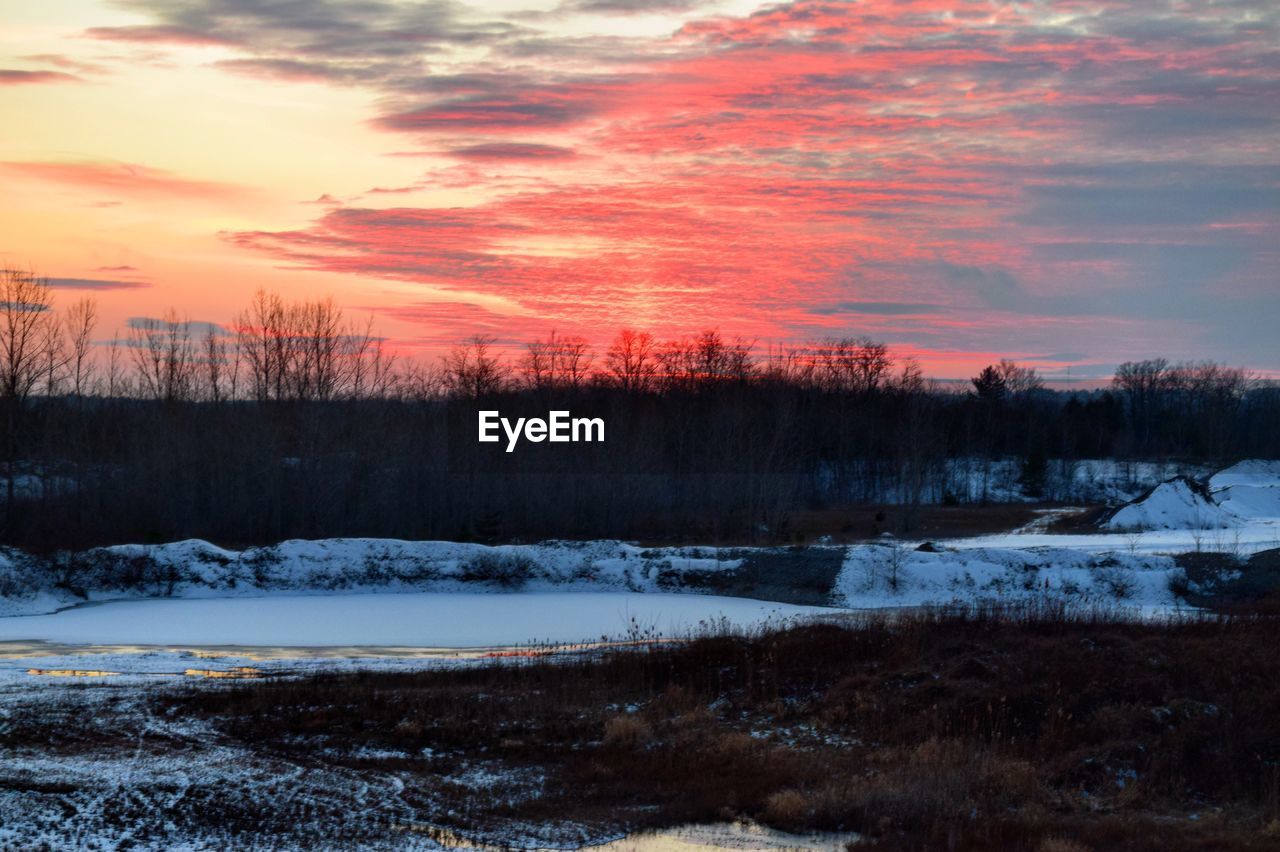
894, 575
1179, 504
194, 568
1236, 541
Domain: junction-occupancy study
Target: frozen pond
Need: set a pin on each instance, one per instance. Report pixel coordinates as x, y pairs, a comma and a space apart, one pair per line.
407, 620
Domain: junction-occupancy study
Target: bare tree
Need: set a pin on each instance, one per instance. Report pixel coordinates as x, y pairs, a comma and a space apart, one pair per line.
537, 364
164, 357
28, 340
423, 382
1018, 380
82, 318
313, 342
910, 378
56, 358
115, 374
216, 365
262, 339
1143, 385
573, 360
857, 364
556, 362
25, 322
471, 369
630, 360
370, 370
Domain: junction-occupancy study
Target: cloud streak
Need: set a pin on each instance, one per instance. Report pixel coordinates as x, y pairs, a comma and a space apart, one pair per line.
17, 77
123, 179
96, 284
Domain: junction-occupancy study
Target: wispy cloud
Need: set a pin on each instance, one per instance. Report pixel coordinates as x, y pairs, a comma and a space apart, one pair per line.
17, 77
97, 284
124, 179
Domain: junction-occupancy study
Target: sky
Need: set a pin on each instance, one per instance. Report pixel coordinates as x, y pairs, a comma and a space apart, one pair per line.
1070, 184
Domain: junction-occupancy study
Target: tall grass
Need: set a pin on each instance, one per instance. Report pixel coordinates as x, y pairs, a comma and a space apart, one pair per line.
1032, 727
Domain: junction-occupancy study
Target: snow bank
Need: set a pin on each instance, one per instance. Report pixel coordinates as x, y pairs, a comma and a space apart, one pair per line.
1178, 504
1249, 490
195, 568
893, 575
1253, 472
353, 563
1250, 501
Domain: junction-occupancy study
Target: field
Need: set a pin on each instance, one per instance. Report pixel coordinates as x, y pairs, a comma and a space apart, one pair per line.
1019, 729
1048, 681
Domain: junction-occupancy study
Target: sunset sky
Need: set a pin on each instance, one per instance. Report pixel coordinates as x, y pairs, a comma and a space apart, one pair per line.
1071, 184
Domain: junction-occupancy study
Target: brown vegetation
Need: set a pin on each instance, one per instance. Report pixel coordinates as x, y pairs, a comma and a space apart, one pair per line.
1032, 731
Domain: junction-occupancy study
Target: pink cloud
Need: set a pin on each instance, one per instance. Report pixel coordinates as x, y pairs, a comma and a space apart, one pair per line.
157, 35
123, 179
15, 77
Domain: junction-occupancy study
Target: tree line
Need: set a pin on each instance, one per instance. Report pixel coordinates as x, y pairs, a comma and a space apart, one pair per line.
295, 421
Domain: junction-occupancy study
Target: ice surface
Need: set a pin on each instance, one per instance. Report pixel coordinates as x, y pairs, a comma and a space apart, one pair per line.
428, 620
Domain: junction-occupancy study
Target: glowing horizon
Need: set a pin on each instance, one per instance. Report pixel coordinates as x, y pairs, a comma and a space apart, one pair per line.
1070, 185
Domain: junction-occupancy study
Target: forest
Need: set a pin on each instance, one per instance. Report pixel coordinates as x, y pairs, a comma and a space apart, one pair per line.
294, 422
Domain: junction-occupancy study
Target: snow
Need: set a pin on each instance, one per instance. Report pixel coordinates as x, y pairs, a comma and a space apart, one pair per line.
1249, 490
1239, 540
893, 575
1250, 501
1178, 504
425, 620
1250, 472
1240, 505
363, 591
195, 568
1111, 481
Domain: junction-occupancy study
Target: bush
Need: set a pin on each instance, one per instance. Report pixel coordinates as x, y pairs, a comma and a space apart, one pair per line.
627, 732
508, 570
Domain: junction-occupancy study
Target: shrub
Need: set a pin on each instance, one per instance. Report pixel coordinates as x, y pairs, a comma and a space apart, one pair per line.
627, 732
508, 570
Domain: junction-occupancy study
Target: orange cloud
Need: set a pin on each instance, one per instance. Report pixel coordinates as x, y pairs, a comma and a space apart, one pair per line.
123, 179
